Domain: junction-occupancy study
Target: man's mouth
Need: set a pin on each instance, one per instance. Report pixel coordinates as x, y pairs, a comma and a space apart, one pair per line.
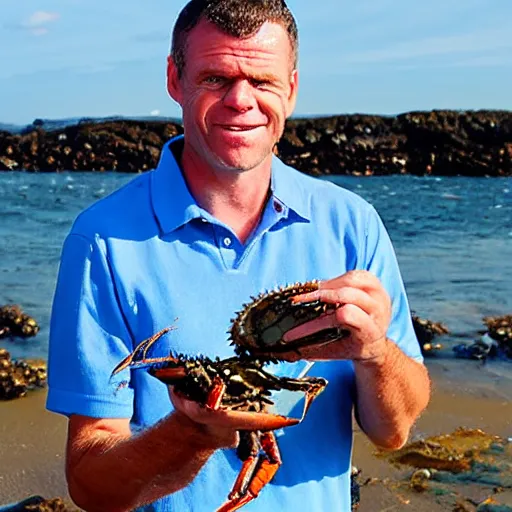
239, 128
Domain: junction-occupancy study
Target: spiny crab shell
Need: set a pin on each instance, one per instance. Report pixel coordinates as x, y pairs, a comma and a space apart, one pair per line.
259, 328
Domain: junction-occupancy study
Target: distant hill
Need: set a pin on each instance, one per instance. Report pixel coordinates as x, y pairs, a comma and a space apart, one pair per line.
59, 124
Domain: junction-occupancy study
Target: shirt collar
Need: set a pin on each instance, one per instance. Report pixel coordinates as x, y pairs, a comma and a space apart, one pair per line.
289, 190
174, 205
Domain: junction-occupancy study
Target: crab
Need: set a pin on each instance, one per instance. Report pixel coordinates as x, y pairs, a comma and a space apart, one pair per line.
241, 382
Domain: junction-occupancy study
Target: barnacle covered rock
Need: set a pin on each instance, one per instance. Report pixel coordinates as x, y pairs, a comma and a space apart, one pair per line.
17, 376
15, 323
496, 341
499, 328
259, 328
426, 331
40, 504
51, 505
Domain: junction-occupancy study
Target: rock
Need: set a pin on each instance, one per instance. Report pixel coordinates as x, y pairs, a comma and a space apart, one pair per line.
129, 146
6, 164
419, 479
426, 331
18, 376
39, 504
453, 452
14, 323
440, 142
499, 328
495, 342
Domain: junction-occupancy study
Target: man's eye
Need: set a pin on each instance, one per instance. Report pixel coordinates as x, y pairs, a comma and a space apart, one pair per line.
260, 83
214, 80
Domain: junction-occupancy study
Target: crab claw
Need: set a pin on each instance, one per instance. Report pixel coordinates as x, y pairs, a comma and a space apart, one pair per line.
229, 418
275, 422
138, 357
243, 420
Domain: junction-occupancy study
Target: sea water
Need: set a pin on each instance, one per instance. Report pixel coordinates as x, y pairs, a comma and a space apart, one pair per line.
453, 239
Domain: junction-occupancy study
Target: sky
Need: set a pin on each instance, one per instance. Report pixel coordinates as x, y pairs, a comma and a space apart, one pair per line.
92, 58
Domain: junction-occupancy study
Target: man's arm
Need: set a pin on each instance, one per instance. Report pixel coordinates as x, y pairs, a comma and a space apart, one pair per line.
391, 393
108, 469
392, 389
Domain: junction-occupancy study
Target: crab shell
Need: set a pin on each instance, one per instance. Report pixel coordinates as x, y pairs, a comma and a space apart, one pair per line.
259, 328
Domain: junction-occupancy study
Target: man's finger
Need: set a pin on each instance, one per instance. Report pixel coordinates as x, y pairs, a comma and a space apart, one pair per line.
345, 295
347, 316
361, 279
356, 280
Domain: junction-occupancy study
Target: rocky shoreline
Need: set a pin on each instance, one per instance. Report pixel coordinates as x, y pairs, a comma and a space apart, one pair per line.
444, 142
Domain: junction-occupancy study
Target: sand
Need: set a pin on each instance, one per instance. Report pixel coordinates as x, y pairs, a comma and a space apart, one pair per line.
464, 394
31, 449
468, 395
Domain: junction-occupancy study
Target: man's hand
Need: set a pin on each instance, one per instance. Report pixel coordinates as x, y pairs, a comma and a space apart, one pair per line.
364, 312
391, 388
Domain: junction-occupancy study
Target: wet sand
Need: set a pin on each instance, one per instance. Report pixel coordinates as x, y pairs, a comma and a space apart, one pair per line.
31, 449
464, 394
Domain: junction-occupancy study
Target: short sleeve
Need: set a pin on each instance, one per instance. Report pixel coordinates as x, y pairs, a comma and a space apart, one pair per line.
88, 336
380, 260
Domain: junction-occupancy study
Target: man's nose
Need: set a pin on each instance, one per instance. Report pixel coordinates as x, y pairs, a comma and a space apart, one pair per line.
240, 96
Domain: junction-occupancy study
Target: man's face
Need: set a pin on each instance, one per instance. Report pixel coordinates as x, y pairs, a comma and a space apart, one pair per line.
235, 94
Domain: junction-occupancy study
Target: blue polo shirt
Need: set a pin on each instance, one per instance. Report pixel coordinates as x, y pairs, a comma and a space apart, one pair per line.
148, 256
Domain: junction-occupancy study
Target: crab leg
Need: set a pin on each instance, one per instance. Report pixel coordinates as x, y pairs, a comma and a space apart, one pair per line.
216, 394
170, 375
248, 450
255, 474
311, 386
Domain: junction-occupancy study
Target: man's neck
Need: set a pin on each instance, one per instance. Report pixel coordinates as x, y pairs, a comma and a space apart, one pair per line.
235, 198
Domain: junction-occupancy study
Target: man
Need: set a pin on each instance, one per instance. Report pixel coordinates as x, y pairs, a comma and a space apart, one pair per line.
219, 220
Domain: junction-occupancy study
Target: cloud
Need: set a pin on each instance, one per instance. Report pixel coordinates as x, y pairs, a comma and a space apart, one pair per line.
491, 61
155, 112
37, 21
485, 40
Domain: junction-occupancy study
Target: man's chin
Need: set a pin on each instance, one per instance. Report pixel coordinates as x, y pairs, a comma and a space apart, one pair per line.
237, 163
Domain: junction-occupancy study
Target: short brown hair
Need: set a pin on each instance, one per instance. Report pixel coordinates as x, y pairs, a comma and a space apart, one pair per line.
238, 18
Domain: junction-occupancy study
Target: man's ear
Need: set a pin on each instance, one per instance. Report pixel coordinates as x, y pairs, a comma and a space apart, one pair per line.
173, 81
292, 96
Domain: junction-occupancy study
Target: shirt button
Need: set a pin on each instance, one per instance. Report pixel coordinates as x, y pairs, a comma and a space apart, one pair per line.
227, 241
278, 208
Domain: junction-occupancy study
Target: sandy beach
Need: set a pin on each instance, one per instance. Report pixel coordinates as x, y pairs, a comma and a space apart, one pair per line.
32, 447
